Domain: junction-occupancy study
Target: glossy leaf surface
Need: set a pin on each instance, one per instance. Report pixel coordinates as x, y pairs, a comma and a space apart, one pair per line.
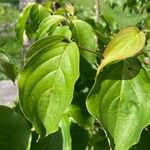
125, 44
84, 35
14, 131
48, 25
63, 31
120, 100
46, 83
42, 44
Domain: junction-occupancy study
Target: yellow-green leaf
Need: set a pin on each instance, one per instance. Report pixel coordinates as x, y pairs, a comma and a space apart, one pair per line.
125, 44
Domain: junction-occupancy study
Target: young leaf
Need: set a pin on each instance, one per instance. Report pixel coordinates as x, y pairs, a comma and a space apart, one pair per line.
69, 8
20, 26
120, 102
14, 131
63, 31
48, 25
84, 35
6, 67
46, 84
125, 44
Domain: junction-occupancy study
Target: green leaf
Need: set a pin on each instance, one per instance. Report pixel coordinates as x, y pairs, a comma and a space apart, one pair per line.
14, 131
127, 43
41, 44
20, 26
65, 129
7, 68
143, 143
37, 14
84, 35
63, 31
46, 83
48, 25
76, 113
120, 102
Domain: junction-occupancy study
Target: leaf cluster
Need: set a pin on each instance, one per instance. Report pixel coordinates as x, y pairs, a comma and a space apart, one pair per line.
83, 85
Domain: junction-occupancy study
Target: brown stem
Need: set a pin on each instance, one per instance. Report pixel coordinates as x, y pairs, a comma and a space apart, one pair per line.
54, 5
97, 10
85, 49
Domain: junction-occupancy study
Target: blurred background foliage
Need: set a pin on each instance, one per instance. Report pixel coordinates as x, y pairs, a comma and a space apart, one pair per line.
8, 42
114, 15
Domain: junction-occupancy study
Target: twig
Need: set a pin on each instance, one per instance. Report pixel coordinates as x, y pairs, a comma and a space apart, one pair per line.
85, 49
54, 5
97, 10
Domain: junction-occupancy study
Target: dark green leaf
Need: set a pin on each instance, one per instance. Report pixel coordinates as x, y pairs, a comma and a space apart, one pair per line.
46, 83
6, 67
51, 142
120, 102
14, 131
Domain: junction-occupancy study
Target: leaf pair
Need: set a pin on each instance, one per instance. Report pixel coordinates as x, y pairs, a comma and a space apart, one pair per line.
37, 13
80, 31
